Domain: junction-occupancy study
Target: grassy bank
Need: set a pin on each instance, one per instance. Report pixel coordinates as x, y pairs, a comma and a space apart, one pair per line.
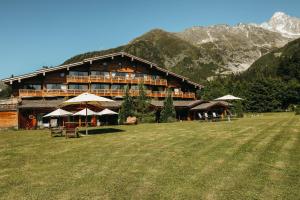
250, 158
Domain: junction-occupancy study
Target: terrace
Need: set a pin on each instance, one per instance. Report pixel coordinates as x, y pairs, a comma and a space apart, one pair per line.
147, 80
101, 92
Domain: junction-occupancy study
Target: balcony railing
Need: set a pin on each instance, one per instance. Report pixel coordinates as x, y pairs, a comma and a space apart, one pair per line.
147, 80
101, 92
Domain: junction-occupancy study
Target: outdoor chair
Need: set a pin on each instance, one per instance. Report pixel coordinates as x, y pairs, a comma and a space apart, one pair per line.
131, 121
71, 131
200, 116
56, 131
205, 116
214, 116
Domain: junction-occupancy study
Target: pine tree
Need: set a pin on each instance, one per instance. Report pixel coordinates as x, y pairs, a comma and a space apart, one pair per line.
127, 107
142, 104
168, 113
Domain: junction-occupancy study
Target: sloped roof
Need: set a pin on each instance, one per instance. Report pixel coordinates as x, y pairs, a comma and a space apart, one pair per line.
187, 104
90, 60
208, 105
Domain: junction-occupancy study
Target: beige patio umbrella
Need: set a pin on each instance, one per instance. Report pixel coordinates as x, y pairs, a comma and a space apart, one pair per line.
85, 112
58, 113
107, 112
228, 97
86, 98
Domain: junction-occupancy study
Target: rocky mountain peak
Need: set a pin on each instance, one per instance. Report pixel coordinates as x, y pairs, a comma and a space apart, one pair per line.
284, 24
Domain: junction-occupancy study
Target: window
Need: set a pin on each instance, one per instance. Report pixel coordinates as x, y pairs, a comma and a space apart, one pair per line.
99, 86
99, 73
139, 75
33, 86
154, 77
55, 86
134, 87
176, 90
78, 87
95, 73
77, 73
122, 74
62, 74
117, 87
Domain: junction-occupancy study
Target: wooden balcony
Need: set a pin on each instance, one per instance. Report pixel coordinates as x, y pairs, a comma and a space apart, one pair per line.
78, 79
117, 80
30, 93
102, 92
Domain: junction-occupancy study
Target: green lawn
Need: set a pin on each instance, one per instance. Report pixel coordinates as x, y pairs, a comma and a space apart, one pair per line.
250, 158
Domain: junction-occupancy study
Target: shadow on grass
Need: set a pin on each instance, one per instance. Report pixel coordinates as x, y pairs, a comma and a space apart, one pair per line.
101, 131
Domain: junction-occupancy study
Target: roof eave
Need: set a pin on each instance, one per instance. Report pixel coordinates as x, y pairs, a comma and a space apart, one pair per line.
43, 71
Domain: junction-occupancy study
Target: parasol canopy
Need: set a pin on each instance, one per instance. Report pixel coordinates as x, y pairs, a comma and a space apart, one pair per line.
107, 112
85, 112
58, 113
228, 97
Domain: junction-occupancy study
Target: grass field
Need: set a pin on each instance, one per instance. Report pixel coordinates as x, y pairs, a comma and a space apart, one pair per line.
250, 158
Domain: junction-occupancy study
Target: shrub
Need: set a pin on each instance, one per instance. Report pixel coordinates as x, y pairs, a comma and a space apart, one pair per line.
297, 110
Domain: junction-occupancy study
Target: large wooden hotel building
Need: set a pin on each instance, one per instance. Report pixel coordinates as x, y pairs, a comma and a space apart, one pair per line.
39, 92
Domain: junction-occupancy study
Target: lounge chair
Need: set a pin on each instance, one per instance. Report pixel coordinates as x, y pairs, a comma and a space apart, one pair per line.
214, 116
131, 121
205, 116
200, 116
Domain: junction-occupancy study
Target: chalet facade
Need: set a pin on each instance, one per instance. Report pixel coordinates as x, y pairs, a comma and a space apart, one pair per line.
41, 91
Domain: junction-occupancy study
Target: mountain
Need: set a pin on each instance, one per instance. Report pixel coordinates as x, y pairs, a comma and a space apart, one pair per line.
283, 63
204, 52
237, 46
284, 24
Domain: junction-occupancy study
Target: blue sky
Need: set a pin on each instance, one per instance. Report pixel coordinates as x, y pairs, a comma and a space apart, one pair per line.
36, 33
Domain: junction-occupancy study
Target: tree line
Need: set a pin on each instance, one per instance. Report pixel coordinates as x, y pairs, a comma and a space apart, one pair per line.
140, 107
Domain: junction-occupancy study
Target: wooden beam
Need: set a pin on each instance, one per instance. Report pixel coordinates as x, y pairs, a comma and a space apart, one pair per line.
19, 80
112, 57
11, 82
91, 62
132, 59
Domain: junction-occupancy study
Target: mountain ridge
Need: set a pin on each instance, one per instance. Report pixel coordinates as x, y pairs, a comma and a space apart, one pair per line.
202, 52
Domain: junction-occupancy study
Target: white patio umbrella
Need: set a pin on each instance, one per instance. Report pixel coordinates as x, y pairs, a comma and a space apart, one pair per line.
228, 97
86, 98
85, 112
107, 112
58, 113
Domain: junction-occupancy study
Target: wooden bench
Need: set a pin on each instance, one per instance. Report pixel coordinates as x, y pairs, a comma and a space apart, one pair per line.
56, 131
71, 130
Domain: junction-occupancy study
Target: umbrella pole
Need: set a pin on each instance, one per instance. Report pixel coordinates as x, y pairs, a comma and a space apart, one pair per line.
86, 127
